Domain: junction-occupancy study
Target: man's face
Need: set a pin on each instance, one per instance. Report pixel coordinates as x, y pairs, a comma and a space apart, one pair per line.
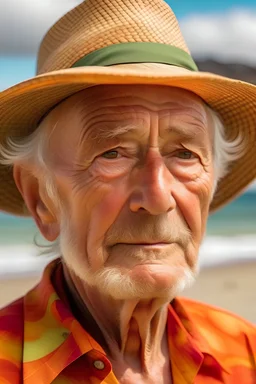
133, 167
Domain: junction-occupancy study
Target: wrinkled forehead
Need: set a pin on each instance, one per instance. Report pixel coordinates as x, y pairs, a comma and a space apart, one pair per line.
123, 102
102, 96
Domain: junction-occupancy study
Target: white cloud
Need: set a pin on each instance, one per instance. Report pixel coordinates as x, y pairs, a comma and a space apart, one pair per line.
230, 36
23, 23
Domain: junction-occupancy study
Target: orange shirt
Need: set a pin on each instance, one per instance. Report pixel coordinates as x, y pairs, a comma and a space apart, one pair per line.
41, 343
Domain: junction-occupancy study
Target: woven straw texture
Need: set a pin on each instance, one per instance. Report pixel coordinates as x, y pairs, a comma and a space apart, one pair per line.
98, 23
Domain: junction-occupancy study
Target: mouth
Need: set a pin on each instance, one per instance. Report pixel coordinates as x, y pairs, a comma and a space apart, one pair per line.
157, 244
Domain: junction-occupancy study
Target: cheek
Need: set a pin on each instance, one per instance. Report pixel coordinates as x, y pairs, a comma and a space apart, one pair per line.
98, 213
103, 216
107, 209
193, 200
92, 203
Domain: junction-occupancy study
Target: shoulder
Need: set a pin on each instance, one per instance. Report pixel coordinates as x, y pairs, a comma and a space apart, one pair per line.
221, 318
212, 320
210, 311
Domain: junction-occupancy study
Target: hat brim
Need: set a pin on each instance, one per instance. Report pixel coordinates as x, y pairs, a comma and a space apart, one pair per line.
23, 105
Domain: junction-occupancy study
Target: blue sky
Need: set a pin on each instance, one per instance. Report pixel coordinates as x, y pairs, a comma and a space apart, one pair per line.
15, 69
185, 7
201, 22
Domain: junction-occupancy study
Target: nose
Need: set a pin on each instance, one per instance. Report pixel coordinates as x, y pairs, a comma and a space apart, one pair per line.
152, 191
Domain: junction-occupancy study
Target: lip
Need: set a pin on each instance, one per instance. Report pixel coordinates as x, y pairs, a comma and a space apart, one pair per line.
160, 244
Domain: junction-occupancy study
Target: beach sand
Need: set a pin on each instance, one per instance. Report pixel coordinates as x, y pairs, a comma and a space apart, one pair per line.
232, 287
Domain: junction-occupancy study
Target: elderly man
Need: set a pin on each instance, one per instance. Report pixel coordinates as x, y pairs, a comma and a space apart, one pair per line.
120, 148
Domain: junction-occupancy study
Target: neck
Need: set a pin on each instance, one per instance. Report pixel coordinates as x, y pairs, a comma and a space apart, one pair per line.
131, 331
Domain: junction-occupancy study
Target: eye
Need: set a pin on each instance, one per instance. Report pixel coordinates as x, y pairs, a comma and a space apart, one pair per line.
112, 154
185, 155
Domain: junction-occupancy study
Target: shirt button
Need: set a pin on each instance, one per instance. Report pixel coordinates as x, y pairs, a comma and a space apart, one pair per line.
65, 335
98, 364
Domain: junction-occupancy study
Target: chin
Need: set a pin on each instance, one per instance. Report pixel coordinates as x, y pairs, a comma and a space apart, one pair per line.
143, 282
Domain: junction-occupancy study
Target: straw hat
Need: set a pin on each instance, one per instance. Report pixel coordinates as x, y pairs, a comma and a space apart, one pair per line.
82, 49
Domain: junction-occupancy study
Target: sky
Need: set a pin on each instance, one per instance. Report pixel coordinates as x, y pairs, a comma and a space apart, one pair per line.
186, 7
224, 30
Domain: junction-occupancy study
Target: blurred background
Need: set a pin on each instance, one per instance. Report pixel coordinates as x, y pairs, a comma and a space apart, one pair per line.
222, 38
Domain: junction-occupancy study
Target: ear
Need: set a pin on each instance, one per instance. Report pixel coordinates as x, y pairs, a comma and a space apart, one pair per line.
43, 215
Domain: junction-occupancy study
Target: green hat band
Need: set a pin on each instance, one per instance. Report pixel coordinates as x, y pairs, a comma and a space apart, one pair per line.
127, 53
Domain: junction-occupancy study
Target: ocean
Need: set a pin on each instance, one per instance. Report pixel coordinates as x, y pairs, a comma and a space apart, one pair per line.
230, 237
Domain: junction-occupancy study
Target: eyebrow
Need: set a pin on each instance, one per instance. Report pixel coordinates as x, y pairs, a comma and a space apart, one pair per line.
103, 132
184, 132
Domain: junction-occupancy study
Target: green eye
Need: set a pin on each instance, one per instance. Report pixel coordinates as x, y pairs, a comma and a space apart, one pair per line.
110, 155
185, 155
